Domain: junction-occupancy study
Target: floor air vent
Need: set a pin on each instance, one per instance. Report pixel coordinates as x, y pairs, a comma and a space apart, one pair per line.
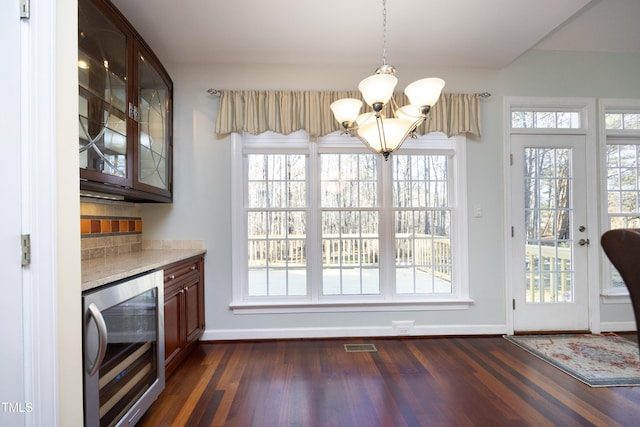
359, 348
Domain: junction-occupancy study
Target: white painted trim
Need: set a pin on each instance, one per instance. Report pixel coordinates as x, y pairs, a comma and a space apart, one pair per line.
615, 299
460, 235
506, 203
587, 106
617, 326
593, 215
346, 332
373, 305
605, 105
38, 123
456, 147
15, 373
238, 228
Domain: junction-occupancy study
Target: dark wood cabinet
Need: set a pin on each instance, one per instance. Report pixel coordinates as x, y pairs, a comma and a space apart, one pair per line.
183, 309
125, 109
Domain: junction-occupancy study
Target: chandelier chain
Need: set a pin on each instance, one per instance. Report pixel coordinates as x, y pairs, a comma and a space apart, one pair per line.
384, 32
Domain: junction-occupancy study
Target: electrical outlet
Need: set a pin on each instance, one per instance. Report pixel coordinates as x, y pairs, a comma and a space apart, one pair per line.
403, 327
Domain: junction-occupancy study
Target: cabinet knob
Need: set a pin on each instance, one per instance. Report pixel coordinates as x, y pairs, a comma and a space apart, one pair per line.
193, 267
171, 277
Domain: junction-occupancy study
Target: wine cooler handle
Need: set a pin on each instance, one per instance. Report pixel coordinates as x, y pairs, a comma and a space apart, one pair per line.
102, 337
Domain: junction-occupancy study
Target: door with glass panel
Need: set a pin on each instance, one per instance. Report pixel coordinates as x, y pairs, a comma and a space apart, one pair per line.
549, 233
153, 126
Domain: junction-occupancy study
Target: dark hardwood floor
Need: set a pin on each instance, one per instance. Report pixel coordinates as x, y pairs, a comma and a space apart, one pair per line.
440, 381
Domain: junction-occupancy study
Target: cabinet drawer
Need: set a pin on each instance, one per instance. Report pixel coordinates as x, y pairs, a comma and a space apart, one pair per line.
177, 271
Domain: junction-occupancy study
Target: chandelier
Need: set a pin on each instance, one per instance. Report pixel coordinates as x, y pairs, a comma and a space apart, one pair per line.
383, 135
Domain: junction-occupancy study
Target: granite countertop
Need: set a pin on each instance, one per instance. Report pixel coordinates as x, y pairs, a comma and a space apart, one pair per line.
98, 272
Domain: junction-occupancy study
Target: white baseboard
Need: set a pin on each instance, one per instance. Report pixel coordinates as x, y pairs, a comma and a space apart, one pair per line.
618, 326
374, 331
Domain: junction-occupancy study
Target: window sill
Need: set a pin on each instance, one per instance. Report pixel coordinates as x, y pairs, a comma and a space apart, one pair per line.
615, 298
337, 306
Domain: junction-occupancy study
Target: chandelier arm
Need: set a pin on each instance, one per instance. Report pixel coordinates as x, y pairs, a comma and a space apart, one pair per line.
381, 135
394, 105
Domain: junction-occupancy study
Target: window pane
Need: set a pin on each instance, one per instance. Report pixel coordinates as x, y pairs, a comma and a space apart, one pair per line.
423, 252
622, 121
422, 244
632, 121
349, 180
613, 120
276, 181
420, 181
276, 227
350, 242
545, 120
623, 181
350, 253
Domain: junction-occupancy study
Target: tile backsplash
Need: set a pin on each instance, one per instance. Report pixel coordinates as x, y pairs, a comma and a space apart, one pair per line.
109, 228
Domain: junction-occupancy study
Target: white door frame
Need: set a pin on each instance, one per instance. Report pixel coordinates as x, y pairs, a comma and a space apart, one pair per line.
587, 106
13, 387
40, 127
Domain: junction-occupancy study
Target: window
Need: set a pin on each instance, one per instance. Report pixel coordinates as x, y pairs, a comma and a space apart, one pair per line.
530, 119
621, 124
276, 224
422, 224
622, 121
350, 217
328, 225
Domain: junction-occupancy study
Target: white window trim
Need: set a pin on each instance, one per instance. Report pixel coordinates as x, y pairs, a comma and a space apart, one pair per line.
609, 294
386, 301
546, 104
587, 107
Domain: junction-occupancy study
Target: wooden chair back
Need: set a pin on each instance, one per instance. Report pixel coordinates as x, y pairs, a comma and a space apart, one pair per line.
622, 246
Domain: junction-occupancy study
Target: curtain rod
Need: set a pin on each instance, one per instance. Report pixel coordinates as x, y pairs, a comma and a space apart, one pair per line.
211, 91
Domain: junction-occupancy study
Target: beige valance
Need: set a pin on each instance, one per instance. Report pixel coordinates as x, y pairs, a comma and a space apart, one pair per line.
284, 112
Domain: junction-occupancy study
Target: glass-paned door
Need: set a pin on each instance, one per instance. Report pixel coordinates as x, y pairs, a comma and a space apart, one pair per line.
153, 120
103, 102
549, 260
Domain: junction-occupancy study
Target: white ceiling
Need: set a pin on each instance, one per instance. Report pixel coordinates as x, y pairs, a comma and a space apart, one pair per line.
458, 33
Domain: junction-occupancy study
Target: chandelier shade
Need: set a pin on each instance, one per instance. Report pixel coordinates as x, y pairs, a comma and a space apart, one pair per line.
378, 88
424, 91
383, 136
380, 134
346, 110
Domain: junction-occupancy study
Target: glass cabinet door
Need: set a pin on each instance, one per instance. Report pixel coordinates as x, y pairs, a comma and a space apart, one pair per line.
154, 132
103, 102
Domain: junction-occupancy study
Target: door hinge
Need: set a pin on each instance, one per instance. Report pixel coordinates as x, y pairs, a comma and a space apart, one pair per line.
25, 9
513, 303
510, 159
513, 233
25, 243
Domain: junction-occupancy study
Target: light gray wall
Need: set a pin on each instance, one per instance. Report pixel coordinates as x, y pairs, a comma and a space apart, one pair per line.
201, 208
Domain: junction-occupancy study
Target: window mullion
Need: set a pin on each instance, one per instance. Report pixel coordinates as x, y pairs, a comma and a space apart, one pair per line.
314, 225
386, 230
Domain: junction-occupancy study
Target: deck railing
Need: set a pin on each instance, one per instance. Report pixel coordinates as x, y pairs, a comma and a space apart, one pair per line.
432, 253
549, 272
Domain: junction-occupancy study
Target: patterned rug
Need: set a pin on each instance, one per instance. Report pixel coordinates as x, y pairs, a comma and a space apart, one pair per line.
596, 360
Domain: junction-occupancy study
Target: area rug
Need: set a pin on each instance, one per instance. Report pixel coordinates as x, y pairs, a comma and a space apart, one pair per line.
597, 360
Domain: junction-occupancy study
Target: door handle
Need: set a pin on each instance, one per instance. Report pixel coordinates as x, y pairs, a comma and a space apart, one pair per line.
583, 242
102, 337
